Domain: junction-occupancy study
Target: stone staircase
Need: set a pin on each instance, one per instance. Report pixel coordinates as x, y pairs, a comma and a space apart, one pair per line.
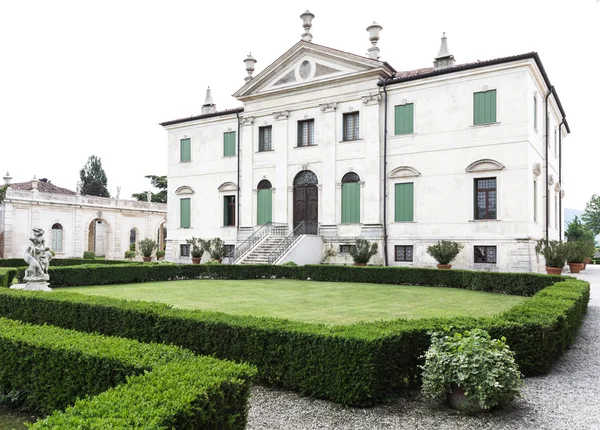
260, 253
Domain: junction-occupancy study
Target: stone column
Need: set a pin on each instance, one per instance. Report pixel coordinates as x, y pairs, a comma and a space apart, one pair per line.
246, 205
327, 183
281, 145
371, 193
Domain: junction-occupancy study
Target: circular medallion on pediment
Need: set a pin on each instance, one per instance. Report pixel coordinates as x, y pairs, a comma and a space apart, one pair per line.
304, 70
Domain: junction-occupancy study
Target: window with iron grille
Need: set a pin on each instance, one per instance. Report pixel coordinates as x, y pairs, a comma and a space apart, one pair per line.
485, 254
229, 249
485, 198
345, 249
184, 250
229, 211
351, 126
265, 136
404, 252
306, 132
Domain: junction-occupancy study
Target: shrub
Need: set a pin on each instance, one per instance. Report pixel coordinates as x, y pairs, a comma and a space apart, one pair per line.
578, 251
215, 248
484, 368
6, 276
290, 263
444, 251
54, 367
554, 252
132, 247
160, 254
196, 245
147, 247
362, 251
89, 255
130, 254
213, 262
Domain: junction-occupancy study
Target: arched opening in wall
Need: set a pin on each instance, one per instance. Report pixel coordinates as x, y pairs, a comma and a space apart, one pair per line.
351, 198
57, 238
264, 203
97, 237
306, 197
161, 237
133, 236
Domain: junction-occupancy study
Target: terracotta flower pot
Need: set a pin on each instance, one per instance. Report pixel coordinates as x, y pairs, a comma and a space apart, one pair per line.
459, 401
576, 267
196, 260
147, 259
554, 270
359, 264
444, 266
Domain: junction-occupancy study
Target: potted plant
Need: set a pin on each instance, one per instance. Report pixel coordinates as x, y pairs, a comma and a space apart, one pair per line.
576, 253
160, 255
215, 248
130, 255
577, 231
554, 255
444, 252
471, 371
362, 251
147, 247
196, 249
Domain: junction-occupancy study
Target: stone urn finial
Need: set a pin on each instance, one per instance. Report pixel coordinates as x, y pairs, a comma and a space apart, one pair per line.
307, 18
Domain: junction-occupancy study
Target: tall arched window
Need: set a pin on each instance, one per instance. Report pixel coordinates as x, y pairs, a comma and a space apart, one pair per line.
264, 206
350, 198
57, 238
132, 239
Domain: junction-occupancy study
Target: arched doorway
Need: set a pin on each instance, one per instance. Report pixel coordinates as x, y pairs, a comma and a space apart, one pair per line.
306, 197
264, 203
161, 236
350, 198
133, 236
97, 237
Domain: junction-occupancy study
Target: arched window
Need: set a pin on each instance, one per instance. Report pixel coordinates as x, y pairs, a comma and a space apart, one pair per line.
350, 198
57, 238
132, 239
305, 178
185, 206
264, 206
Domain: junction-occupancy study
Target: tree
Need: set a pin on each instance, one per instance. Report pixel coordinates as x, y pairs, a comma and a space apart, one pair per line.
578, 232
591, 215
159, 182
93, 178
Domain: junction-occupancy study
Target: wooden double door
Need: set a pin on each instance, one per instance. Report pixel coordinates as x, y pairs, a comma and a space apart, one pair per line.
306, 204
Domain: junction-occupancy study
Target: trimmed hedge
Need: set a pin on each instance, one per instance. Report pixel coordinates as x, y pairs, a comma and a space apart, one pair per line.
522, 284
6, 276
136, 385
19, 262
360, 364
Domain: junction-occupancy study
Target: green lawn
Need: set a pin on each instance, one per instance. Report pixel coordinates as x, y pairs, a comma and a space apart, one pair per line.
315, 302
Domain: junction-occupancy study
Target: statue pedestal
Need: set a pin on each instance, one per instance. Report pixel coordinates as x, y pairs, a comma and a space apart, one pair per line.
32, 286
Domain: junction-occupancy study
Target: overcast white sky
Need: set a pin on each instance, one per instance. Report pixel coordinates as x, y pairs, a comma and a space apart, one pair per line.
79, 78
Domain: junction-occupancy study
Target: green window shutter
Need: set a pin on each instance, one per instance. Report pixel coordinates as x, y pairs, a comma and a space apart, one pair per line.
264, 207
404, 119
484, 107
185, 153
350, 202
229, 144
185, 213
404, 202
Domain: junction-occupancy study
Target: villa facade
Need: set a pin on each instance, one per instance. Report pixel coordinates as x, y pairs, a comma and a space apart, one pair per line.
465, 152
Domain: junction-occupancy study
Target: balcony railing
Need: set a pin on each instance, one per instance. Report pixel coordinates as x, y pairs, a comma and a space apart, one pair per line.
270, 228
305, 227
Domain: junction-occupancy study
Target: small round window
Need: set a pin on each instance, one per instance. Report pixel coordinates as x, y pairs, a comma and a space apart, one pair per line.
305, 69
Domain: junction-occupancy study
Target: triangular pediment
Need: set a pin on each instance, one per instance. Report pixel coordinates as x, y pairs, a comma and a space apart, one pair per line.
307, 64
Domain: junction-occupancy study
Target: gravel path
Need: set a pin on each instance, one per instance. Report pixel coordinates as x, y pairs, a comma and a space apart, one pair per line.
567, 398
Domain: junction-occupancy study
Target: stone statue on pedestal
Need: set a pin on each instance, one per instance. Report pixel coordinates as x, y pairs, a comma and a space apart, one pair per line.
38, 257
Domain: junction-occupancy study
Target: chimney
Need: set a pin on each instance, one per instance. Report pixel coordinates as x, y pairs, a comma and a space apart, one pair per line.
307, 18
374, 30
249, 62
34, 183
208, 106
444, 59
7, 179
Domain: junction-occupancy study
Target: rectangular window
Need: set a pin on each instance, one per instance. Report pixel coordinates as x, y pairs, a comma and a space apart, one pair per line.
555, 211
185, 216
535, 113
306, 132
403, 252
345, 249
229, 144
185, 150
404, 201
535, 201
265, 136
350, 131
404, 119
484, 107
229, 249
57, 240
184, 250
228, 211
485, 198
555, 143
485, 254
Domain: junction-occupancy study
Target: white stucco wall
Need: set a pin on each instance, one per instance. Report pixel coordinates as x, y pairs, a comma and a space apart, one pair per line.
307, 250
